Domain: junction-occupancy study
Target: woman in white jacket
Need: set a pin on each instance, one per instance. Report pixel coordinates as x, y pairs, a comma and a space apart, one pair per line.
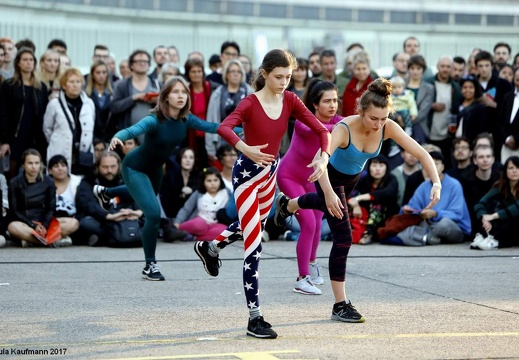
68, 124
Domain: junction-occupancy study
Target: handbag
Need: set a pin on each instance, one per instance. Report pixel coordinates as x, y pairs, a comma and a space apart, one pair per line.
85, 158
124, 233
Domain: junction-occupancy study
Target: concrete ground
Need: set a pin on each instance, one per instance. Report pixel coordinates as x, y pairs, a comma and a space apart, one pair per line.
434, 302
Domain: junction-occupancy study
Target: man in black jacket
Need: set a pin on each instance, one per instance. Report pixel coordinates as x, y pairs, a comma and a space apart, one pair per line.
94, 216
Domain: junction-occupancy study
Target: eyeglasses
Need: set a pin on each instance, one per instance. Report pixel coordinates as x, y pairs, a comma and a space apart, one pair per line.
101, 56
461, 148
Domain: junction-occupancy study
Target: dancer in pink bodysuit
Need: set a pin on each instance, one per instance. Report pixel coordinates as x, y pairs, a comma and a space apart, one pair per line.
321, 99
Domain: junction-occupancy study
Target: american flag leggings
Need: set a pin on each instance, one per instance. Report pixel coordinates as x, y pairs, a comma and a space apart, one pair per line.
254, 192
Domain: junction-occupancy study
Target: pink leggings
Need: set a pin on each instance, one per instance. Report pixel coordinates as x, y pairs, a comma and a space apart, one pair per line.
309, 220
201, 229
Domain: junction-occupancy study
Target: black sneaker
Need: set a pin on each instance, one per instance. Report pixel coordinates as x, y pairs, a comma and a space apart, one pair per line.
152, 272
211, 263
172, 233
261, 329
100, 193
281, 212
346, 312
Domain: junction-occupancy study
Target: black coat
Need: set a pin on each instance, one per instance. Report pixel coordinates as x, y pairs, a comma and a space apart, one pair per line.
30, 202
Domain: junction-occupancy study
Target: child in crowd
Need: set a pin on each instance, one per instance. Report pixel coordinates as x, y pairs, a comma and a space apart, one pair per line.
404, 104
198, 216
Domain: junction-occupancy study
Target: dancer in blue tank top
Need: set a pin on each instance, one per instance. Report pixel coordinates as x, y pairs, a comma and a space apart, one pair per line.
355, 139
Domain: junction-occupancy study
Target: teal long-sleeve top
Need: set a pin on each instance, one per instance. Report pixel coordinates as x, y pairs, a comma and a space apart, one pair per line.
508, 209
161, 139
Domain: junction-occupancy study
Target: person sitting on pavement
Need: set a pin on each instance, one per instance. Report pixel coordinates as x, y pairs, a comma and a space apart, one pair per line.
404, 171
32, 202
498, 211
93, 215
462, 155
449, 219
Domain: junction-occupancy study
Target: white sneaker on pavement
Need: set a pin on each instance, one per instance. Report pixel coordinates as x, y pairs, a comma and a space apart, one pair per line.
305, 286
477, 240
489, 243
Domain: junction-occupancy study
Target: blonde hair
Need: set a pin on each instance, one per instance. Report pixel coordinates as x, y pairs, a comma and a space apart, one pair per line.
90, 82
45, 76
68, 73
226, 67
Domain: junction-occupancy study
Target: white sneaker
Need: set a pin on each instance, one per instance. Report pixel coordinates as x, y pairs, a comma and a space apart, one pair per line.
305, 286
2, 241
315, 274
66, 241
477, 239
489, 243
265, 237
27, 244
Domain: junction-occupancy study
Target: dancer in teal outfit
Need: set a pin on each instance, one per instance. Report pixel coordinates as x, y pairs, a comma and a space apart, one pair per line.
165, 129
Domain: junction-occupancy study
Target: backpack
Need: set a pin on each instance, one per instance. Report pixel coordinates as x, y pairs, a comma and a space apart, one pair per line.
125, 233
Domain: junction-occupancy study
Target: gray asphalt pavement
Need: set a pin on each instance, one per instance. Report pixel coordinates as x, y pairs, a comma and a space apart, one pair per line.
434, 302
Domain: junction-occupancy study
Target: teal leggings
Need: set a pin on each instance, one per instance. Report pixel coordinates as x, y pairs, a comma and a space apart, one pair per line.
143, 188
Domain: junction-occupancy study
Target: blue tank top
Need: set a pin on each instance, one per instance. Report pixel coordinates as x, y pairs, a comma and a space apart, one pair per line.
350, 160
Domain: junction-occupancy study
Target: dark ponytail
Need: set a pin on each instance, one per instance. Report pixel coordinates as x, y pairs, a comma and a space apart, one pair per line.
273, 59
378, 95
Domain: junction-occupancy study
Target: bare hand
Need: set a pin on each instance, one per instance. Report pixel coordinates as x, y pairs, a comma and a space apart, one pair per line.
428, 213
254, 153
334, 205
435, 197
488, 102
487, 225
510, 143
114, 143
438, 107
139, 96
40, 229
357, 212
319, 164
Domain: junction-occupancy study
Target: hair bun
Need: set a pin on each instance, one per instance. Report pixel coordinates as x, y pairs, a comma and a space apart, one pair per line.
381, 87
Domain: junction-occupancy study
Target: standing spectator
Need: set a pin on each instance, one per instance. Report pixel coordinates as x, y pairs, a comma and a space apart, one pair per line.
322, 100
300, 79
22, 104
68, 124
93, 215
99, 89
458, 68
502, 55
50, 72
498, 211
200, 91
314, 64
174, 56
124, 69
7, 70
167, 71
32, 202
99, 147
400, 65
472, 118
508, 122
444, 108
2, 57
229, 50
507, 73
424, 96
329, 67
160, 56
412, 47
224, 100
129, 102
357, 85
64, 62
58, 45
247, 65
112, 73
515, 64
494, 90
214, 62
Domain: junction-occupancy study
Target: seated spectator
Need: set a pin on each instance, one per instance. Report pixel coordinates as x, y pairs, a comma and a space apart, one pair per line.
66, 187
93, 215
198, 215
449, 219
498, 211
479, 179
462, 157
5, 208
375, 195
415, 179
99, 147
32, 202
409, 166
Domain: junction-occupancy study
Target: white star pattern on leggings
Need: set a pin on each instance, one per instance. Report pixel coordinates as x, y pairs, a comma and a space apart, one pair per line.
252, 304
248, 286
246, 266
